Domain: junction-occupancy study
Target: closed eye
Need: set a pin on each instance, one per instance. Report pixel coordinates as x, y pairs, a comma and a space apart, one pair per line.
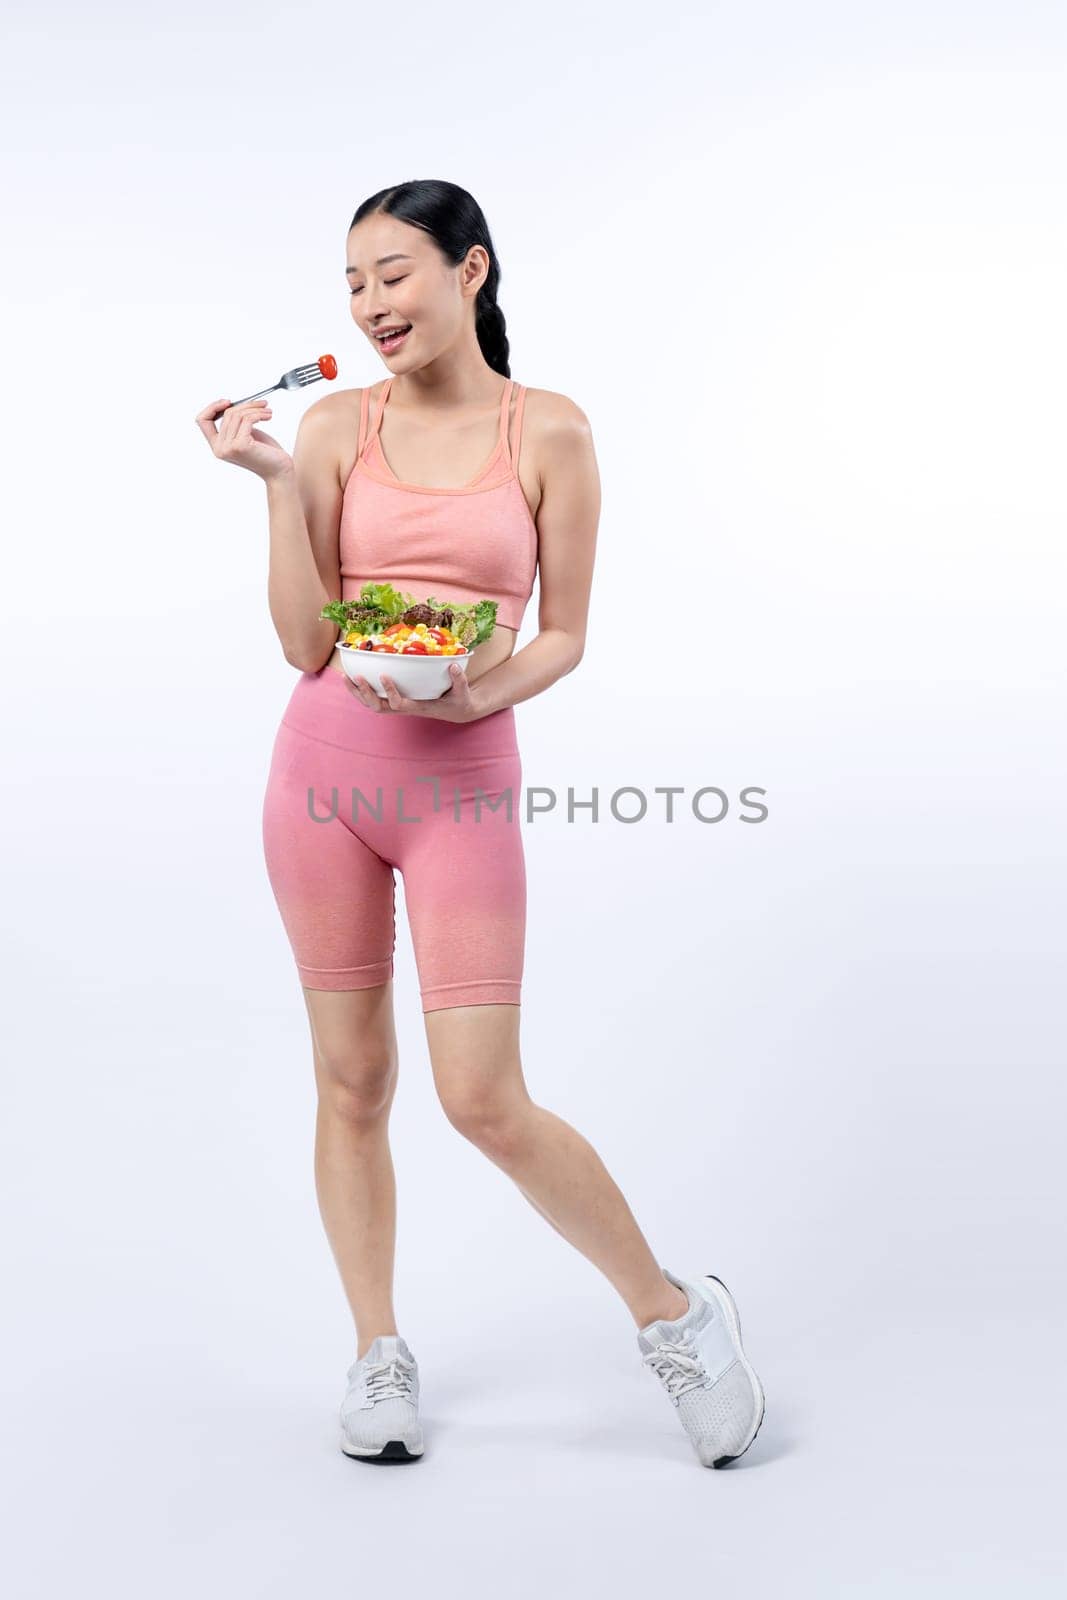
389, 281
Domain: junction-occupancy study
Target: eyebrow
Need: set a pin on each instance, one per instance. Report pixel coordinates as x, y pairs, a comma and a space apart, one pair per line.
396, 256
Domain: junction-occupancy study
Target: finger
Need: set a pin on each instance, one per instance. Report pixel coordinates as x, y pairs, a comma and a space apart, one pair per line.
239, 418
374, 699
396, 700
206, 419
213, 409
245, 417
220, 409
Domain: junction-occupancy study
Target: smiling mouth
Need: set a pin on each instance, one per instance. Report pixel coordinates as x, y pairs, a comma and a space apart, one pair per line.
389, 341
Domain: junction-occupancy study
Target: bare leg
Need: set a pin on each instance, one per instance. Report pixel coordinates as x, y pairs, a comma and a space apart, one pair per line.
477, 1069
356, 1066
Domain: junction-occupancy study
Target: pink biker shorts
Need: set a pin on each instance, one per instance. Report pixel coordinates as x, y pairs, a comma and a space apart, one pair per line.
354, 794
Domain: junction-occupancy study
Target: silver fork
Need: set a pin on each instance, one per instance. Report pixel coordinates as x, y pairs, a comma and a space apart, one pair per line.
299, 378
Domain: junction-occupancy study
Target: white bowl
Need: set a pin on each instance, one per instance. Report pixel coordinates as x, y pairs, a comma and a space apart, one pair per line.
417, 677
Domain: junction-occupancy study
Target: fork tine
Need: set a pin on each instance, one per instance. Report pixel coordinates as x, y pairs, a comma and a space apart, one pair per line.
297, 378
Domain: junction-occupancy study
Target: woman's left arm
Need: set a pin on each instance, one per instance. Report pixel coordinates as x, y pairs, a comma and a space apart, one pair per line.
567, 519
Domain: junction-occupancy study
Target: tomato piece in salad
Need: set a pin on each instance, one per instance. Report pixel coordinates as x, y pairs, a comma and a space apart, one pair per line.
400, 638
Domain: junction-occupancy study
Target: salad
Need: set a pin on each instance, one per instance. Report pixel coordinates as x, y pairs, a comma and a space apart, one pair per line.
386, 620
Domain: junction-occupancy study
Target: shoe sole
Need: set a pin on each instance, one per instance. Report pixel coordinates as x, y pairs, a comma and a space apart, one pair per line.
726, 1301
392, 1450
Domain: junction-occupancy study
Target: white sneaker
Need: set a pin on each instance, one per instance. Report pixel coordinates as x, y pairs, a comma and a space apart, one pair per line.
700, 1362
380, 1410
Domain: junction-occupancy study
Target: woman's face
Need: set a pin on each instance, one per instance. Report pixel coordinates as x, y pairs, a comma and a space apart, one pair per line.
397, 277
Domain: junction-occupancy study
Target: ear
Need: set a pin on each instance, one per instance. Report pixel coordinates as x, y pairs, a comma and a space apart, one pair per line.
475, 268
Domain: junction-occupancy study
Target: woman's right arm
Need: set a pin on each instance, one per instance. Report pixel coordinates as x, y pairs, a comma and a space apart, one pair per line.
304, 508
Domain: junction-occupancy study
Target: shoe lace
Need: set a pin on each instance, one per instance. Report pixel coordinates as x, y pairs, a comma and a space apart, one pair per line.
677, 1365
391, 1380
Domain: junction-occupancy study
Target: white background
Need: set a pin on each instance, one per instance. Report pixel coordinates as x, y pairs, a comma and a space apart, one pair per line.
803, 268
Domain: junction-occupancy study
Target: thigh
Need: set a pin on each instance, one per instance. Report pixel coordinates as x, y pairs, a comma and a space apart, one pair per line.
465, 889
336, 895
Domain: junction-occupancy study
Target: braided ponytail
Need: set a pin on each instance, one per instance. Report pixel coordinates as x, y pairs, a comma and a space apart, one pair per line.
492, 333
455, 221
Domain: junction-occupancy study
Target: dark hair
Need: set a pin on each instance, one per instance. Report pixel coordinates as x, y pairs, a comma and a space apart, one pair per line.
455, 221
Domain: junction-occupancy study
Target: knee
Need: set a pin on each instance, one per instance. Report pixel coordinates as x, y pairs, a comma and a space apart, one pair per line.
488, 1119
356, 1086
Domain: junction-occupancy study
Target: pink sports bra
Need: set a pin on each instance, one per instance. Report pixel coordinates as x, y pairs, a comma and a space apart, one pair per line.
478, 542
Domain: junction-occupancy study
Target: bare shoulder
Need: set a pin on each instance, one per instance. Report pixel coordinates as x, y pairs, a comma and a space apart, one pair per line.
555, 415
331, 410
560, 435
326, 434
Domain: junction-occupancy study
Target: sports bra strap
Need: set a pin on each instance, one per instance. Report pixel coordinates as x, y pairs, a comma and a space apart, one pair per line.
505, 404
382, 398
512, 451
363, 397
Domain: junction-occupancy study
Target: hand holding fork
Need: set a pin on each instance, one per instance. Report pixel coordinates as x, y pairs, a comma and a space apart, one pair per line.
239, 440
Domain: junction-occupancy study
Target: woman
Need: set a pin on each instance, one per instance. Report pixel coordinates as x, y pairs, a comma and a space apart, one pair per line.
391, 484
